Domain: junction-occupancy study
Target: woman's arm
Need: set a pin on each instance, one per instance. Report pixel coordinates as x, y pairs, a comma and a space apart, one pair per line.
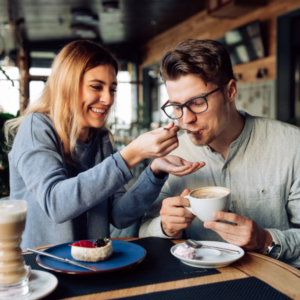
38, 158
128, 206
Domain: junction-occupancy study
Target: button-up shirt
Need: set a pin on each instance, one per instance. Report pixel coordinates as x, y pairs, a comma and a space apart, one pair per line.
262, 171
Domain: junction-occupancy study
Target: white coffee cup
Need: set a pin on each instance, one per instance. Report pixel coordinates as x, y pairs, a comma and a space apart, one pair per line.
204, 202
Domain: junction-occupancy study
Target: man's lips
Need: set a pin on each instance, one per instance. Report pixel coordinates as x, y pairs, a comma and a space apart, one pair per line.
195, 132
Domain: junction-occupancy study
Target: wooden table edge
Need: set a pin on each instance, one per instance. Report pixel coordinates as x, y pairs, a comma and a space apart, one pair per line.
276, 262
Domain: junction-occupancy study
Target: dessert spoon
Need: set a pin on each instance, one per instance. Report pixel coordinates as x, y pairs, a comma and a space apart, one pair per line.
187, 130
197, 245
62, 259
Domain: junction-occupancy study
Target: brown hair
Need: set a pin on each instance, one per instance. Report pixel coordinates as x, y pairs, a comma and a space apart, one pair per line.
60, 97
207, 59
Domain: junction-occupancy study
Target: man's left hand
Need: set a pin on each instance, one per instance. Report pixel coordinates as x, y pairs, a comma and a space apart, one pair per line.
246, 234
174, 165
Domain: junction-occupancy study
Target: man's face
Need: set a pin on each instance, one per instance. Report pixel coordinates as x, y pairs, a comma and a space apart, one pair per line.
209, 124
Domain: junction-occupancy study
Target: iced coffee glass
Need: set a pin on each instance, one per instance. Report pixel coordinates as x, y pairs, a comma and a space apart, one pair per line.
13, 275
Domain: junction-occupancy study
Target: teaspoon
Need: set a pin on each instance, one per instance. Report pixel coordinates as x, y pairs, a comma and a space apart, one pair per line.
197, 245
187, 130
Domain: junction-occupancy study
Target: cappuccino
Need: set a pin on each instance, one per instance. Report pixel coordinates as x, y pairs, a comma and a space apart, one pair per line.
209, 193
12, 225
204, 202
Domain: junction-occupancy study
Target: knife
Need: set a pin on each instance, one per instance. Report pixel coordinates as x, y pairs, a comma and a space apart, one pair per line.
62, 259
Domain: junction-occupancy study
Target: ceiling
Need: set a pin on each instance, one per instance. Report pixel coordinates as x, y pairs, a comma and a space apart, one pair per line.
46, 23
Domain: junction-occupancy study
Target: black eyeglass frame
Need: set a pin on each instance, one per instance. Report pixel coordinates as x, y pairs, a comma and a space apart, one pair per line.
184, 104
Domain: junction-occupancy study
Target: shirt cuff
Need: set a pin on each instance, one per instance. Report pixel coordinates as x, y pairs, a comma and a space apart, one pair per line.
276, 239
156, 230
122, 166
153, 179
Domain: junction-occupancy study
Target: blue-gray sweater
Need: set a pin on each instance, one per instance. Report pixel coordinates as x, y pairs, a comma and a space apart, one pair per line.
70, 201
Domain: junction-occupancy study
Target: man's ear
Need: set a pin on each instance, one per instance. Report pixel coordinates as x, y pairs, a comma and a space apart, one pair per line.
231, 90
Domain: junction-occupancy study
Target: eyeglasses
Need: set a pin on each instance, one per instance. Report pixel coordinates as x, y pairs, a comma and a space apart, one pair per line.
196, 105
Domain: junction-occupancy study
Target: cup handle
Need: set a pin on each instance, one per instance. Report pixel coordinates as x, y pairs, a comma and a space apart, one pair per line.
189, 207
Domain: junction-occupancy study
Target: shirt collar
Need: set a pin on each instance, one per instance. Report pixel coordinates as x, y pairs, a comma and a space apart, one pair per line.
245, 134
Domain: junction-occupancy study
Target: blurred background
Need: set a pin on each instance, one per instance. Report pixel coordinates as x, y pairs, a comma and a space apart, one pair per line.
262, 37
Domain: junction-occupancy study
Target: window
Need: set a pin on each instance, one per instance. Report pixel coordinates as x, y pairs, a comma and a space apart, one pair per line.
9, 94
36, 88
40, 71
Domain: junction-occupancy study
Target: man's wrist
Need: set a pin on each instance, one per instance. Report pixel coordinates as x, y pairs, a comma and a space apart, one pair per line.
268, 241
178, 233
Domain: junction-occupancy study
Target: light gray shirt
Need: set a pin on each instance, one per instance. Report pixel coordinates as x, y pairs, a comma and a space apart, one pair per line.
262, 170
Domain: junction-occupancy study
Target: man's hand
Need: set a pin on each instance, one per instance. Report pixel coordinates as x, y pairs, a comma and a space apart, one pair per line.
174, 217
246, 233
174, 165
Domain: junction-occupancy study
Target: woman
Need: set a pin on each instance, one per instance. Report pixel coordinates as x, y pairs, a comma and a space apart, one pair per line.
62, 162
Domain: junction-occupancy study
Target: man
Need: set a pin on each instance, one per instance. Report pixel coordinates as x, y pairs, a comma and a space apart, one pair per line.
258, 159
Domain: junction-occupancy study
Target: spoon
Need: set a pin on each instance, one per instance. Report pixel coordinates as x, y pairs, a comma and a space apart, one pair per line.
187, 130
196, 245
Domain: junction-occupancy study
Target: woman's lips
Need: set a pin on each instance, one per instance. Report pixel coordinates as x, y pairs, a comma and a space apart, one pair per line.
100, 112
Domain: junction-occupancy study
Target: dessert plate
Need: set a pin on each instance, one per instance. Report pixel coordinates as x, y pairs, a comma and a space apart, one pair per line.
210, 258
125, 255
41, 284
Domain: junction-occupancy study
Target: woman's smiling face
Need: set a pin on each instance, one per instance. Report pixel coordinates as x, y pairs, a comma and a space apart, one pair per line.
96, 96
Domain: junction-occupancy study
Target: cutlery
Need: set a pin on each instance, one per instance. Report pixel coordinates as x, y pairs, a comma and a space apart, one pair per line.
187, 131
62, 259
197, 245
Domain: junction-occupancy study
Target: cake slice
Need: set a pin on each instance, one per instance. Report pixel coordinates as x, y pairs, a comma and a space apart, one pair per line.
98, 250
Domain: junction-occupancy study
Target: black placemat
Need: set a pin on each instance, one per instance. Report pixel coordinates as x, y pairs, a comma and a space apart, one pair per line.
246, 289
159, 266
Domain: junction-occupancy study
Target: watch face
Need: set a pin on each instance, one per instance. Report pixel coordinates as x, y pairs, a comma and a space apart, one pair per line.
274, 253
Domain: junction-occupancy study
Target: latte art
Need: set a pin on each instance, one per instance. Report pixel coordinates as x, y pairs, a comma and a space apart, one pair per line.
209, 193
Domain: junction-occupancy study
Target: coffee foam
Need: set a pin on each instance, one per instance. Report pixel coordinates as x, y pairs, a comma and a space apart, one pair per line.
12, 211
209, 193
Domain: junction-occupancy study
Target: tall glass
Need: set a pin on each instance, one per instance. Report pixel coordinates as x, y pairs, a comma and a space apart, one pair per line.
13, 275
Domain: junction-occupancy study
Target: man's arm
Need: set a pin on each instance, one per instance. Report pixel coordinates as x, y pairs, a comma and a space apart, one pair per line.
290, 239
167, 217
151, 223
252, 237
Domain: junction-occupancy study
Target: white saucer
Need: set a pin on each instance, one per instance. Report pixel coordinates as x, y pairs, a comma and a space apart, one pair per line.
209, 258
41, 284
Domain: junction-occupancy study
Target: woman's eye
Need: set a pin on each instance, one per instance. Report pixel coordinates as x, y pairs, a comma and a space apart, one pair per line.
113, 91
96, 87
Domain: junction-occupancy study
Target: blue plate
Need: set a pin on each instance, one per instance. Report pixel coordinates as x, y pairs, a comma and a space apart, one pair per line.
125, 255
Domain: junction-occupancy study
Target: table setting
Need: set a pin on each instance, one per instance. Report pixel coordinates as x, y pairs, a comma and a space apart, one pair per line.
136, 268
158, 273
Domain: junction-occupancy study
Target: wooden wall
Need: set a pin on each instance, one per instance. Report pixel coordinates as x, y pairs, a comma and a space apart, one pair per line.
201, 26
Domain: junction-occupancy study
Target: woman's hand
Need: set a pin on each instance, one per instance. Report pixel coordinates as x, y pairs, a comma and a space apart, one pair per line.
174, 165
152, 144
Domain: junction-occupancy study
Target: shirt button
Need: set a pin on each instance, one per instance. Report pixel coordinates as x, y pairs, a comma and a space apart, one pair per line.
264, 192
207, 148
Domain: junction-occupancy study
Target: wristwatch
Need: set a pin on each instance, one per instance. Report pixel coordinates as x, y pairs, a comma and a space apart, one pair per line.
274, 250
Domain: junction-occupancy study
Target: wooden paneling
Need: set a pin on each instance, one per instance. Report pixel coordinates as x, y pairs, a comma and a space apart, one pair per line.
201, 26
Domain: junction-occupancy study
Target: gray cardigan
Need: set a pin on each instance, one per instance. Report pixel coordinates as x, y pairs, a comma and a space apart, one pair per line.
70, 201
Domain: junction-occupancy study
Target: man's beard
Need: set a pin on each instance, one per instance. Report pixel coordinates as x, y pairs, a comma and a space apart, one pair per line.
200, 141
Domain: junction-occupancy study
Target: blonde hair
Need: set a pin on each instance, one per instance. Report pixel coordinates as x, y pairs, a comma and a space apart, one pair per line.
61, 92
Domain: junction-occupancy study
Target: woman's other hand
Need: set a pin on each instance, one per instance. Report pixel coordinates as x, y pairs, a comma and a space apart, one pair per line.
174, 165
153, 144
